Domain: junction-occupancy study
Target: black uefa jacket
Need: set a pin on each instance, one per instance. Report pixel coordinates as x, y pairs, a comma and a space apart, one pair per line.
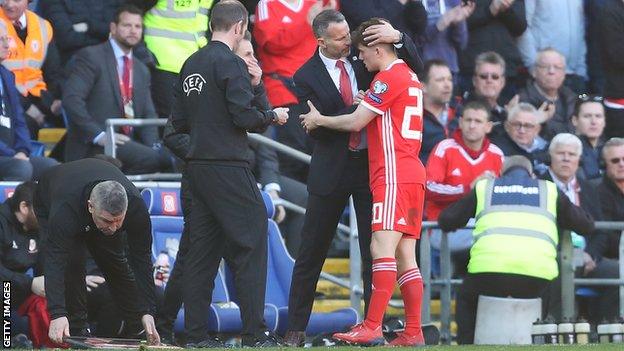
213, 104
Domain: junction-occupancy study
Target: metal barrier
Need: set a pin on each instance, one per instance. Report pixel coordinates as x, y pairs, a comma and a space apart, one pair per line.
354, 284
566, 271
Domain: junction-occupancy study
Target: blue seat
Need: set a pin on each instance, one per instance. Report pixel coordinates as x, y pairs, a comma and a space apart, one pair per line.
280, 266
37, 148
162, 201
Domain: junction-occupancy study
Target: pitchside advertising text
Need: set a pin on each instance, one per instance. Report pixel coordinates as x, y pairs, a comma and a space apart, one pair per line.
6, 314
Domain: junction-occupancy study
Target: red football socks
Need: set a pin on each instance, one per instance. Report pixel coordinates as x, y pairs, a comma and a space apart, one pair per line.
411, 285
384, 278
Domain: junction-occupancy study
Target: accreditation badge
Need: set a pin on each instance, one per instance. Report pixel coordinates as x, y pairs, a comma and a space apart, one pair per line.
129, 109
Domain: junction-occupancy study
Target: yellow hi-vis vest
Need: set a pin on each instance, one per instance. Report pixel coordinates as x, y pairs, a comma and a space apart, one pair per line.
26, 59
175, 29
511, 236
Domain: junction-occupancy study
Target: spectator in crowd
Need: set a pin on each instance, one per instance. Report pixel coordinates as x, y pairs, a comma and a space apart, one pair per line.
612, 51
547, 93
19, 252
173, 31
83, 206
508, 263
332, 80
34, 59
454, 166
521, 136
439, 111
488, 82
89, 100
78, 23
611, 191
407, 16
558, 24
589, 122
493, 26
565, 154
284, 38
16, 162
447, 33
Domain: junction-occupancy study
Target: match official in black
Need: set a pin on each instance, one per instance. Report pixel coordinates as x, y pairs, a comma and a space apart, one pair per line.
90, 203
213, 104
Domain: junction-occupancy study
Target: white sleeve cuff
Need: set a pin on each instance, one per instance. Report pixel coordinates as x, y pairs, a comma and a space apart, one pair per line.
273, 186
371, 107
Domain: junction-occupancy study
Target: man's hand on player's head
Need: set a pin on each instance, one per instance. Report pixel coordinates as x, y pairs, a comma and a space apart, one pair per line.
309, 120
381, 34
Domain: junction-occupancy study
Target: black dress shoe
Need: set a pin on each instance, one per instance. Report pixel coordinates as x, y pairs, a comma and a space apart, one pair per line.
294, 338
264, 339
210, 343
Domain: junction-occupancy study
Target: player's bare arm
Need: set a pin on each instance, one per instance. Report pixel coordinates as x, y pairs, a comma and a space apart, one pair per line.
352, 122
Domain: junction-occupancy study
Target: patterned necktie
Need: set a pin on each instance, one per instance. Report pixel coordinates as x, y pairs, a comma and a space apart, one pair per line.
346, 92
18, 25
125, 94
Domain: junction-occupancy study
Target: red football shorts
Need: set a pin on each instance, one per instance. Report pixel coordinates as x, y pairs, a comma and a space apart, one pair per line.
399, 207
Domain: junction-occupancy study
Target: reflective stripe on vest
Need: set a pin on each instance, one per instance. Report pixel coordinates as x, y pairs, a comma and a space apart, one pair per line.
515, 239
26, 58
173, 33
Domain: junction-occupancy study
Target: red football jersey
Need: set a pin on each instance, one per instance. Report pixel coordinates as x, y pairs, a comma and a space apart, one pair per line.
394, 137
450, 171
284, 42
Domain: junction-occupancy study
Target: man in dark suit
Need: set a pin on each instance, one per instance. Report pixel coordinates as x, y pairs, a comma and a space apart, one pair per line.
16, 162
339, 168
565, 153
90, 205
106, 82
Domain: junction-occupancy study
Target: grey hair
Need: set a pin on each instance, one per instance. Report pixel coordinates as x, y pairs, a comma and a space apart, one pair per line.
541, 52
109, 196
565, 139
517, 161
613, 142
490, 57
322, 21
525, 107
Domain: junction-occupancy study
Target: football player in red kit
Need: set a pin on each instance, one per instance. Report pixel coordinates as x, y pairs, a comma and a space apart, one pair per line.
392, 113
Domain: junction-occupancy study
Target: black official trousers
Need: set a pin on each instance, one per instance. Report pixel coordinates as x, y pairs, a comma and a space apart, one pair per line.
172, 299
109, 255
322, 216
227, 209
490, 284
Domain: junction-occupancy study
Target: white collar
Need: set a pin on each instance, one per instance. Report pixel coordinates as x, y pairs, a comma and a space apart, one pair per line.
571, 185
295, 8
117, 49
330, 63
22, 20
394, 63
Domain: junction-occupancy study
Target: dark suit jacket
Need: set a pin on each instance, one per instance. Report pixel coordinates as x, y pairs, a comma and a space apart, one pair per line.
590, 202
313, 83
92, 95
20, 134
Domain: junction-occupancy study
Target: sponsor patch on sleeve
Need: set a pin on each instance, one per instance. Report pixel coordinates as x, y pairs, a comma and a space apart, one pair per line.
374, 97
380, 87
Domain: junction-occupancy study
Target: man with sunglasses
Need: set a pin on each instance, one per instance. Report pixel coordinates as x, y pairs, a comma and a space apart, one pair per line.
488, 82
611, 191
